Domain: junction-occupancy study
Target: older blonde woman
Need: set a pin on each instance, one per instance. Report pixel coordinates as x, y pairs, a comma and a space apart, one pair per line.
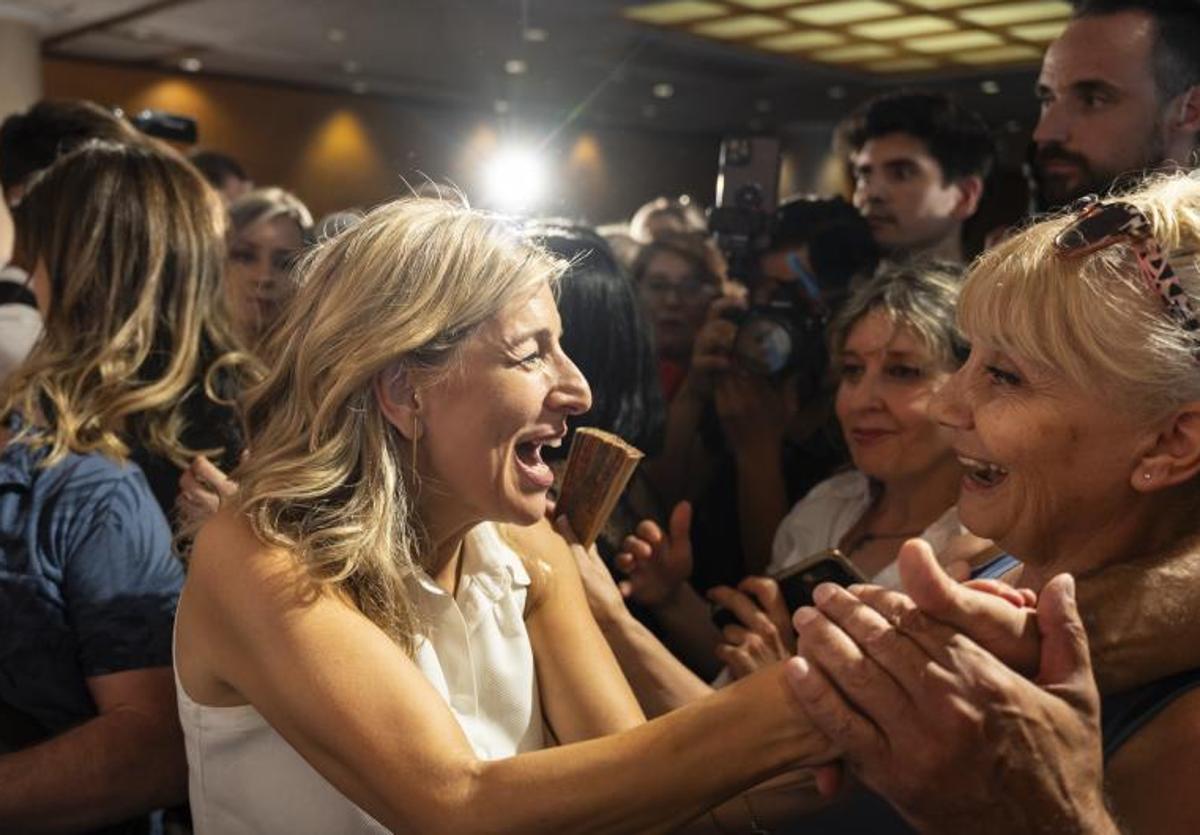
357, 649
1077, 418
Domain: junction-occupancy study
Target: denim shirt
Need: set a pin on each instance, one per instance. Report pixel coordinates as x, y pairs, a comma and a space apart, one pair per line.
88, 585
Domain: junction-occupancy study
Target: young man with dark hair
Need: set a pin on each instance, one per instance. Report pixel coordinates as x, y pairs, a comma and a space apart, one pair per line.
919, 161
1120, 96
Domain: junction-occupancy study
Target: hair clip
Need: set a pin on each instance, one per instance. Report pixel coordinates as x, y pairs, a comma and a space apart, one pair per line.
1102, 224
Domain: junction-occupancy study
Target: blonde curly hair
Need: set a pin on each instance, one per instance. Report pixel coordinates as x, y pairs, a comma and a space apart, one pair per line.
328, 478
131, 238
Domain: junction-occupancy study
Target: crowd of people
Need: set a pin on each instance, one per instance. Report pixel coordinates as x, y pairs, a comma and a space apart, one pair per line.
278, 548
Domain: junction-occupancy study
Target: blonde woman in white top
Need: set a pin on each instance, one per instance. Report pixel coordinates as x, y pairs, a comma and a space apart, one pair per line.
348, 649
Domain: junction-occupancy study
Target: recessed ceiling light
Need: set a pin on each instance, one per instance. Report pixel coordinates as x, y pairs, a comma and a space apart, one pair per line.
953, 42
662, 90
1040, 32
501, 106
191, 64
844, 11
763, 4
742, 26
336, 35
796, 41
359, 87
989, 87
1025, 12
902, 27
351, 67
999, 55
515, 66
535, 35
939, 5
682, 11
854, 52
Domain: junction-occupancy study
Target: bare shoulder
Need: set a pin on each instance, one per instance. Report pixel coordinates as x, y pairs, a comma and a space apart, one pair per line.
1151, 779
545, 554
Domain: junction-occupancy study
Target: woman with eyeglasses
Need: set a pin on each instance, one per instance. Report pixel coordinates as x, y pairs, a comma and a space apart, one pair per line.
677, 279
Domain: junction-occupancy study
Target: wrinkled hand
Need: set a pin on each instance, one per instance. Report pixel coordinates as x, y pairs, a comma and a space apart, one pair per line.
202, 488
765, 634
656, 565
947, 733
995, 615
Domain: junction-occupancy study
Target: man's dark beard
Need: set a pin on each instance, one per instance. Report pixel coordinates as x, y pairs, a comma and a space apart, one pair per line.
1053, 193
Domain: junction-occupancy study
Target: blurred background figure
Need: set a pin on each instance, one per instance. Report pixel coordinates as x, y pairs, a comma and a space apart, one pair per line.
224, 173
30, 142
677, 278
664, 216
268, 227
919, 161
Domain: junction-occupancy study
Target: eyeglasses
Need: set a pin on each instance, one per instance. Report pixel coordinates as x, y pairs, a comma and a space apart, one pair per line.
688, 290
1100, 225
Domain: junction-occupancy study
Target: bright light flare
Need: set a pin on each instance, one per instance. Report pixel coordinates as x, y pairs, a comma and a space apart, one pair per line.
515, 179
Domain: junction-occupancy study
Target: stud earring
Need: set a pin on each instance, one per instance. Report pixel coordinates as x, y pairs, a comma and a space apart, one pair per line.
1146, 476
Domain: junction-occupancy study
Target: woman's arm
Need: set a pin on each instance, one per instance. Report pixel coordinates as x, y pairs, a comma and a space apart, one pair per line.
583, 692
364, 715
661, 682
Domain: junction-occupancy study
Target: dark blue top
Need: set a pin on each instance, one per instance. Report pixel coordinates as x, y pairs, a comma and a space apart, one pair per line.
88, 585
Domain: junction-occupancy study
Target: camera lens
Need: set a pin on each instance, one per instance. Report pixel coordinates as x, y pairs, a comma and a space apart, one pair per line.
763, 346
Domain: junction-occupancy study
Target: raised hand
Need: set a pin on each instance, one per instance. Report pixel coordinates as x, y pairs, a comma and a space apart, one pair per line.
656, 564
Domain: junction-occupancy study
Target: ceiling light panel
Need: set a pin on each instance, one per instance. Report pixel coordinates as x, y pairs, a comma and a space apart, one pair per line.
759, 5
742, 26
855, 54
1008, 13
843, 11
943, 5
1039, 32
999, 55
883, 37
678, 11
799, 41
902, 27
953, 42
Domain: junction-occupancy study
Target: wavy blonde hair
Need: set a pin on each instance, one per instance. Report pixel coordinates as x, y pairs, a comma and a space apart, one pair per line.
328, 478
1091, 319
132, 240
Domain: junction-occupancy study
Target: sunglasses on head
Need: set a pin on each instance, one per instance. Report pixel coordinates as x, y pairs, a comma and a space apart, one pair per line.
1101, 224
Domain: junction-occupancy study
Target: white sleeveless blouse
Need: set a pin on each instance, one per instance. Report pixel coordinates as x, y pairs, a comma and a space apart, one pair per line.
245, 778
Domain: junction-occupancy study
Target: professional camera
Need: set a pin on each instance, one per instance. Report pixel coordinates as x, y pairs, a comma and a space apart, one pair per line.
797, 259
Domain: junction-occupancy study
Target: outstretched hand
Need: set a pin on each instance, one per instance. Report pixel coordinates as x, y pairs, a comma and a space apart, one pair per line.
657, 564
939, 726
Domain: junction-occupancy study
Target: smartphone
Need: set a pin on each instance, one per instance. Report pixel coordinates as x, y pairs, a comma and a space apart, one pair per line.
797, 582
829, 566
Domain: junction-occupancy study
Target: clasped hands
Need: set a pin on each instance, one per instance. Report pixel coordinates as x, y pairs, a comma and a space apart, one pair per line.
970, 707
